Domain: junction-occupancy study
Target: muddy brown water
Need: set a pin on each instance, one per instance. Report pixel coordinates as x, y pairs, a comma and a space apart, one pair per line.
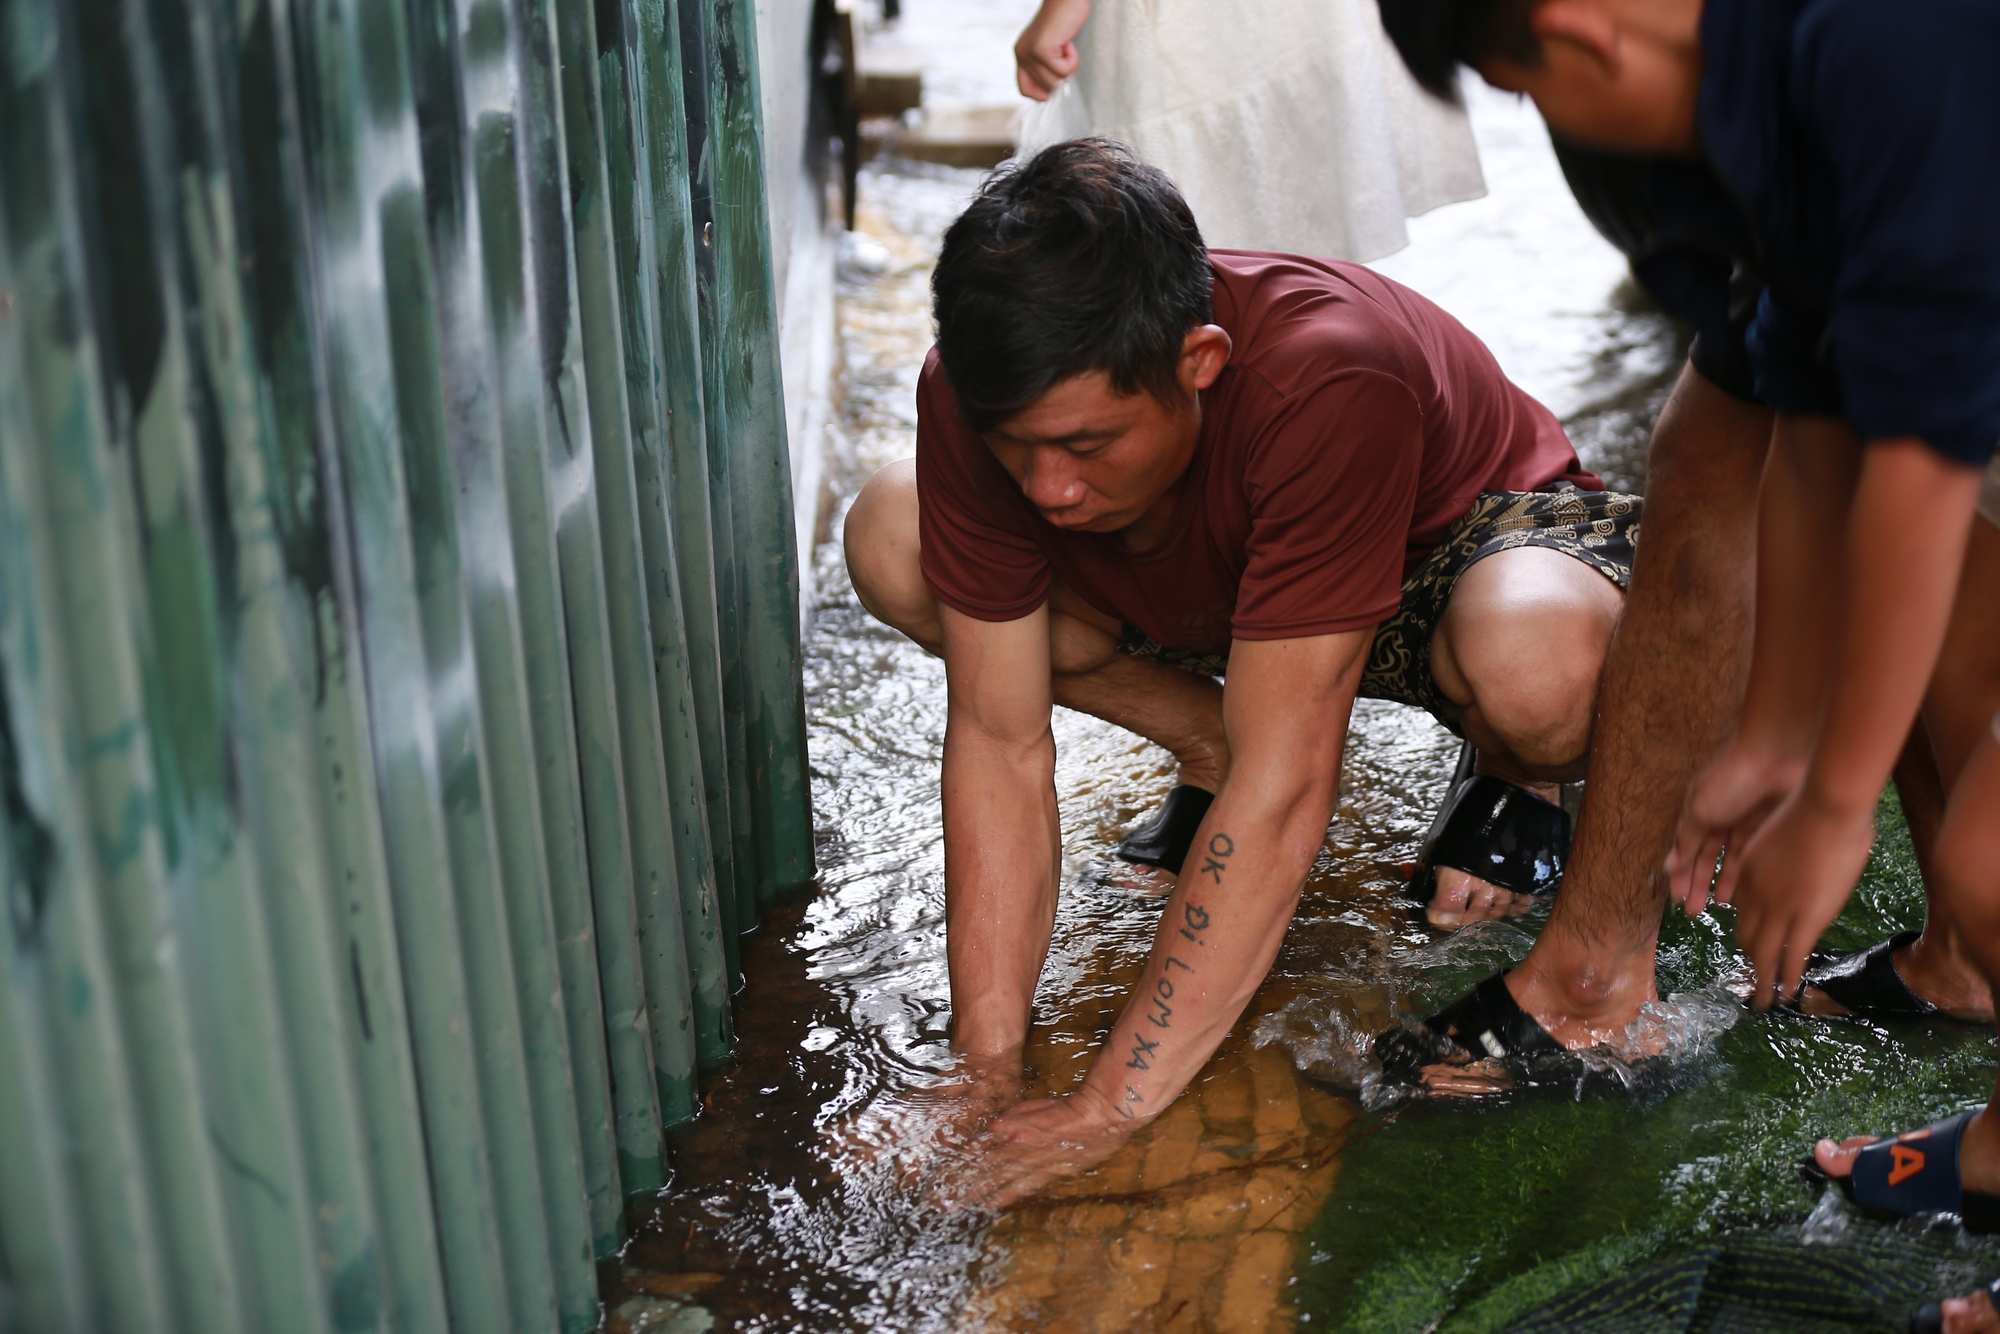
797, 1201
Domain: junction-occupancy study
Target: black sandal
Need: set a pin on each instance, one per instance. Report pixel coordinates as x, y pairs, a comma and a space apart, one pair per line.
1164, 840
1488, 827
1915, 1173
1929, 1318
1485, 1022
1866, 982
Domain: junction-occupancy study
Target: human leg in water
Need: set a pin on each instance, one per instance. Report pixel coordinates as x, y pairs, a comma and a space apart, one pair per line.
1520, 651
1673, 680
1935, 968
1938, 1169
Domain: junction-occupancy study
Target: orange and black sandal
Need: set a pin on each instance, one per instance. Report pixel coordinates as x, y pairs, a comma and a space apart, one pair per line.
1915, 1173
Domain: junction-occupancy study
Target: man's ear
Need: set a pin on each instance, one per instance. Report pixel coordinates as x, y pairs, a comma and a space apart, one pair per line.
1204, 352
1588, 26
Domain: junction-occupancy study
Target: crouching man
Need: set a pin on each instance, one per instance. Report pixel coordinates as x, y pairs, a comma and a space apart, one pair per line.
1143, 465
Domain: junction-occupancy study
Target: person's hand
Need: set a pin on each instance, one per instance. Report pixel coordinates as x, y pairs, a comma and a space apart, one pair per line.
1045, 52
1795, 876
1729, 802
933, 1124
1039, 1142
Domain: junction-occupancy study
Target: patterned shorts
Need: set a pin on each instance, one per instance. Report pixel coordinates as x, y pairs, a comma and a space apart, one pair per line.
1599, 528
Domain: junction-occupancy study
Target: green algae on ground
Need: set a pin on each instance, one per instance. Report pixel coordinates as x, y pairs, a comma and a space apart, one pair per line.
1468, 1216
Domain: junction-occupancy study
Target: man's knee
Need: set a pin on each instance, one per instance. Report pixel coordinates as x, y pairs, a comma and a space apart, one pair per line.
883, 554
1529, 659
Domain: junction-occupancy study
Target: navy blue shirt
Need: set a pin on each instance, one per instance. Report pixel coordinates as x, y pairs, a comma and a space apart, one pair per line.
1854, 148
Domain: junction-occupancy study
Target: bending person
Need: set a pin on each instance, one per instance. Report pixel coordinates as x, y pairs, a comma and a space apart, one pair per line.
1142, 464
1853, 324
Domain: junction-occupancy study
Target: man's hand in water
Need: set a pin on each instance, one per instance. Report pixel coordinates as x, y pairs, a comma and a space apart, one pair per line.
1036, 1143
1285, 708
1045, 53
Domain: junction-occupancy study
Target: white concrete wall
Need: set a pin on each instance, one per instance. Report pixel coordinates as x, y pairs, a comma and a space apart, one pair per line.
804, 250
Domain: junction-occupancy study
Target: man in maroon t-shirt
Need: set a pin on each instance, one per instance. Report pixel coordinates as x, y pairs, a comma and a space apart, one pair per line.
1141, 466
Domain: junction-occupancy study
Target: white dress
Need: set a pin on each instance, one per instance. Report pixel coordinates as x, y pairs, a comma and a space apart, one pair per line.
1288, 124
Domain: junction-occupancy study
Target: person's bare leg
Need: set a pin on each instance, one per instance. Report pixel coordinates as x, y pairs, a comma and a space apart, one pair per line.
1968, 876
1920, 790
1520, 650
1172, 708
1963, 697
1177, 710
1962, 710
1672, 683
1935, 966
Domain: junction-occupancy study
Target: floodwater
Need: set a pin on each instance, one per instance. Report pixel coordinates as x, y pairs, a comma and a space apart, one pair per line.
1284, 1188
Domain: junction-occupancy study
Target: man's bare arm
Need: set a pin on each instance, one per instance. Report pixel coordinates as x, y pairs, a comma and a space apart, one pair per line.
1286, 707
1002, 842
1802, 509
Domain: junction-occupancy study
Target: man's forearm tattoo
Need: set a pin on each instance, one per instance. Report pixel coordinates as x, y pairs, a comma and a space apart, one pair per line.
1219, 849
1193, 924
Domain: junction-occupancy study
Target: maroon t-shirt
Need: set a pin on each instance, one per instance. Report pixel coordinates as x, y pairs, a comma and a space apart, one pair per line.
1354, 422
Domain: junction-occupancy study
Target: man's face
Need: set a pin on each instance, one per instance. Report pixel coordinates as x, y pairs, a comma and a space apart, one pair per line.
1623, 75
1095, 460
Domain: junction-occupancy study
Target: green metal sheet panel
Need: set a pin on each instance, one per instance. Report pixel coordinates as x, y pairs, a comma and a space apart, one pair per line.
696, 28
71, 1203
515, 136
661, 102
626, 154
96, 601
326, 874
655, 877
465, 427
387, 761
760, 480
364, 191
568, 436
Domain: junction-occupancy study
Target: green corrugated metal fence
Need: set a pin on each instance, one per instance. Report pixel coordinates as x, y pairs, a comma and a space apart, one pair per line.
400, 709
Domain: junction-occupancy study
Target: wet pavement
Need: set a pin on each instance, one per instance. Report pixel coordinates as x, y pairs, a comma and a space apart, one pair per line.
800, 1200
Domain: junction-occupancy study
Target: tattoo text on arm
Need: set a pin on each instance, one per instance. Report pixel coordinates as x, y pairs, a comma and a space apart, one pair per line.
1194, 922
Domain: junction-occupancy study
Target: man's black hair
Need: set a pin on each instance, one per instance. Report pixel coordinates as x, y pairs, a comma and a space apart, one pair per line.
1082, 259
1435, 37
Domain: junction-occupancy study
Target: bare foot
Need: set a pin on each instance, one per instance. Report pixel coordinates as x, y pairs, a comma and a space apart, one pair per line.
1933, 970
1463, 898
1470, 1079
1583, 1000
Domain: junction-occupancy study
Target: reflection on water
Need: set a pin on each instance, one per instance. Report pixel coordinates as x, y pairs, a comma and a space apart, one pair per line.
798, 1203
